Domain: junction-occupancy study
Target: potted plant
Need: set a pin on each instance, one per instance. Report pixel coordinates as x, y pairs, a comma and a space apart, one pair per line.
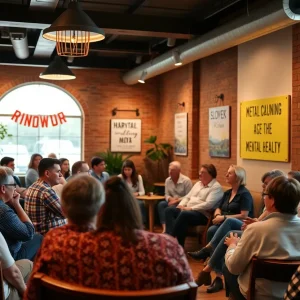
157, 160
114, 161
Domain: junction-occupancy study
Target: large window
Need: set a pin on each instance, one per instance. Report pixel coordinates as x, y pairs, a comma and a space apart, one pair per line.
36, 101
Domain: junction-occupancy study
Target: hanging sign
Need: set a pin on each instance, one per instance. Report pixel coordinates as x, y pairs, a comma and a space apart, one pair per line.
36, 121
125, 135
265, 129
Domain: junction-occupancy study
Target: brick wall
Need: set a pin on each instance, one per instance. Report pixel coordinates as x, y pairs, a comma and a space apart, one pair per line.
218, 74
98, 92
176, 87
295, 118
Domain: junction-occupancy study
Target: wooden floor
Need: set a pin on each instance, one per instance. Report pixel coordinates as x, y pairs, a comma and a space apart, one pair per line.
191, 244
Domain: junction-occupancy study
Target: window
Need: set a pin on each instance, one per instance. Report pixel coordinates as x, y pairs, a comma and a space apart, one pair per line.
59, 135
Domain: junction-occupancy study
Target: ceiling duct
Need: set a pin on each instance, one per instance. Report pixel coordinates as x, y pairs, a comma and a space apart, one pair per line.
274, 16
18, 37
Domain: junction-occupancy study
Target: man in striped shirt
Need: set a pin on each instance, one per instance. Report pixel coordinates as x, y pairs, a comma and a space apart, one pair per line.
41, 202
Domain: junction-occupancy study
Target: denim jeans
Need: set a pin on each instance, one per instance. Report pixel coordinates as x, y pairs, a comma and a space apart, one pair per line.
29, 249
228, 225
161, 207
232, 285
178, 221
216, 261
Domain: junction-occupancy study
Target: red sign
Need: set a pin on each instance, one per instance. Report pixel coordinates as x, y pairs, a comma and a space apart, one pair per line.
38, 120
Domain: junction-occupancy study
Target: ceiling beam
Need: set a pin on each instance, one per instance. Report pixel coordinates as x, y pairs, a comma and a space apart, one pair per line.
112, 23
8, 58
130, 11
119, 47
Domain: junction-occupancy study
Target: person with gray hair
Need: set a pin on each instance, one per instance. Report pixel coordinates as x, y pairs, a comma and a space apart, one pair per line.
176, 187
15, 225
217, 248
118, 255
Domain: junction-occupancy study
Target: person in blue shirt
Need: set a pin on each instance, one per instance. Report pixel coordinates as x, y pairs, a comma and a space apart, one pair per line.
98, 166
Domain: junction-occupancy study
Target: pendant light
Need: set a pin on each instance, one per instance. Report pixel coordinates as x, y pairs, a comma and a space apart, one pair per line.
57, 70
73, 31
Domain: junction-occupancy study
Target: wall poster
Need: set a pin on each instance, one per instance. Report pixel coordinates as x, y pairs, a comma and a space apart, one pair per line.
219, 131
265, 129
125, 135
181, 134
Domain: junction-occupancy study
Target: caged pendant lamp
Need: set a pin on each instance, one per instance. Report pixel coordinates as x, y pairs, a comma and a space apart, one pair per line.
73, 31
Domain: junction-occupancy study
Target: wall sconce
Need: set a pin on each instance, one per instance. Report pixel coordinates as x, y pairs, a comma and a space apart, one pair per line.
115, 110
221, 97
181, 104
143, 76
177, 59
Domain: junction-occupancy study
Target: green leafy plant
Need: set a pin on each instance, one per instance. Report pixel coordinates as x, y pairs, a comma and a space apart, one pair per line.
157, 160
159, 151
114, 161
3, 131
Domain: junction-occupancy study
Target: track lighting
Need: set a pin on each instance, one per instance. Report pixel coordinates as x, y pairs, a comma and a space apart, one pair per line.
177, 59
142, 78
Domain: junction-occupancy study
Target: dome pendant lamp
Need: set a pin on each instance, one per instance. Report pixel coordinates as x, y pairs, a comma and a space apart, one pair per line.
73, 31
57, 70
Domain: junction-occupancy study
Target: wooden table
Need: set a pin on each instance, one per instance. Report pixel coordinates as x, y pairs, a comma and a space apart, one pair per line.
151, 200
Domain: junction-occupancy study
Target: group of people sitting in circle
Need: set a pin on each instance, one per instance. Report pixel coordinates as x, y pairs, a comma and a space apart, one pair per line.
91, 232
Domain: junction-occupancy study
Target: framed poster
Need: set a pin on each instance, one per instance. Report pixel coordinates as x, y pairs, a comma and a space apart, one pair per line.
180, 127
125, 135
265, 129
219, 131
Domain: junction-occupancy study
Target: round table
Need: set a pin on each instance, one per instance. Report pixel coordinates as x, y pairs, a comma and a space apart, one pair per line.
151, 201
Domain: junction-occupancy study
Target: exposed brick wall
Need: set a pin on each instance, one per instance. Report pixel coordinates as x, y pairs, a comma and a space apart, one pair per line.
218, 74
176, 87
98, 92
295, 118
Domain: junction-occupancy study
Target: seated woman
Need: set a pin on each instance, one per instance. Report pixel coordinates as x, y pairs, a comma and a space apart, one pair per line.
276, 237
236, 205
32, 174
135, 184
217, 258
119, 255
65, 167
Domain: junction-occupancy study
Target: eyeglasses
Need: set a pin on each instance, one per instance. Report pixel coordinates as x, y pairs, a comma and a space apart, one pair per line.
10, 184
103, 164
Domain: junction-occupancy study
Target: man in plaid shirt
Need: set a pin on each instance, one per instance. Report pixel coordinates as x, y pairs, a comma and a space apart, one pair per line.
41, 202
293, 291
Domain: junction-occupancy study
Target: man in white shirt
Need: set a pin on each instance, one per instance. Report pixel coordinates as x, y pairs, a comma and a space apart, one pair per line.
194, 208
14, 273
275, 237
176, 186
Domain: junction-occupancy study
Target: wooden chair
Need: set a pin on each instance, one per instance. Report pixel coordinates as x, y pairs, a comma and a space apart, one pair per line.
271, 269
1, 284
49, 288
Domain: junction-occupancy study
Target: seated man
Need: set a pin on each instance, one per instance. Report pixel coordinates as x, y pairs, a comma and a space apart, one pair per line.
41, 202
176, 186
79, 167
98, 167
15, 225
293, 290
15, 274
194, 208
276, 237
10, 163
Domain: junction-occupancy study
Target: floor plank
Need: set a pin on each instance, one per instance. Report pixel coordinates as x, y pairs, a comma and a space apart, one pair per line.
192, 244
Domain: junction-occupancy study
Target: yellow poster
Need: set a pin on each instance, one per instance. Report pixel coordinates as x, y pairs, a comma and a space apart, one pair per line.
265, 129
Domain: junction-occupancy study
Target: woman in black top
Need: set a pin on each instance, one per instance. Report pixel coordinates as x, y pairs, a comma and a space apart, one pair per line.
236, 205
